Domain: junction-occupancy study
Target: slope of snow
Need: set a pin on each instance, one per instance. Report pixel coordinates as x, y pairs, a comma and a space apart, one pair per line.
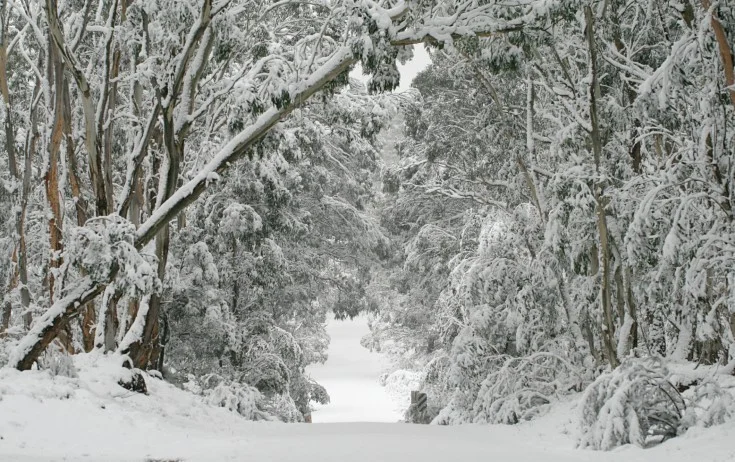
46, 418
351, 377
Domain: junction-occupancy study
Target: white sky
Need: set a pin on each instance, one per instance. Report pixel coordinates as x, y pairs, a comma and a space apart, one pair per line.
408, 71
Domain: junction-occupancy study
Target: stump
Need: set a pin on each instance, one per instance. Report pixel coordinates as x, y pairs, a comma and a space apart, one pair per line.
136, 382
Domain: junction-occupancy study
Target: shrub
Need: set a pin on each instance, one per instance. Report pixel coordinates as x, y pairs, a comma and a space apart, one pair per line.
633, 404
709, 404
235, 397
522, 388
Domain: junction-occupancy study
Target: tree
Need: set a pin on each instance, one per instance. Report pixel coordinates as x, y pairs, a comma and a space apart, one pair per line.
172, 69
599, 199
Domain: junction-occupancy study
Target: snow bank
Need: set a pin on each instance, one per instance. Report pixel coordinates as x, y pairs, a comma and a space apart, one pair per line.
45, 418
91, 417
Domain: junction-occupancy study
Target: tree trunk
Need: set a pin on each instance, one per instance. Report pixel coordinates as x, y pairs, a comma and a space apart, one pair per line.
89, 315
725, 51
144, 351
608, 329
30, 149
51, 182
10, 152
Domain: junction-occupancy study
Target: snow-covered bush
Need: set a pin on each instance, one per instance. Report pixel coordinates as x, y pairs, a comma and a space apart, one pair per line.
105, 247
58, 363
400, 383
633, 404
435, 384
281, 406
235, 397
522, 388
709, 403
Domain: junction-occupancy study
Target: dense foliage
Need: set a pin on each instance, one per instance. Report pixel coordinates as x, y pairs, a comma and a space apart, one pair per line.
564, 197
560, 211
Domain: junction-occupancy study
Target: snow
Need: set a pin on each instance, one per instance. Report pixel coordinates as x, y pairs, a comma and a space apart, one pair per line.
351, 377
238, 145
47, 418
49, 317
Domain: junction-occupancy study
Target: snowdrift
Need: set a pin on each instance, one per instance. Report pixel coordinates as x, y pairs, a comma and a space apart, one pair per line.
45, 417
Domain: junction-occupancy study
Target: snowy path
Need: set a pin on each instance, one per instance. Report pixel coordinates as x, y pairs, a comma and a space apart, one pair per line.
83, 433
350, 376
91, 418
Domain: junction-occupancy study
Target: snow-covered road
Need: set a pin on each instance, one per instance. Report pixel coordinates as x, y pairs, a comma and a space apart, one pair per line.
90, 418
117, 434
350, 376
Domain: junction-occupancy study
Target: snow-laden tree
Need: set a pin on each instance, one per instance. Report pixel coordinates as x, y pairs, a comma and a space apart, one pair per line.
134, 109
263, 260
594, 142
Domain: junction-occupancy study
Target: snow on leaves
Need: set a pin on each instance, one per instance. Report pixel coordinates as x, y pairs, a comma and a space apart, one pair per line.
104, 250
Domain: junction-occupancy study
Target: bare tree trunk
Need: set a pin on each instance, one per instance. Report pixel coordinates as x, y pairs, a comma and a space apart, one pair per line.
30, 148
51, 182
12, 284
5, 92
108, 102
608, 329
89, 316
9, 150
628, 335
725, 51
109, 310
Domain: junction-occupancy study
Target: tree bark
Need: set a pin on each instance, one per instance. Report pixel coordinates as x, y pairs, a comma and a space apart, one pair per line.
725, 51
608, 329
51, 179
51, 182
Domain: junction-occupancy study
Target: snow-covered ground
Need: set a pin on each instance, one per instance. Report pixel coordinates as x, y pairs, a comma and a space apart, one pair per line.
351, 376
90, 418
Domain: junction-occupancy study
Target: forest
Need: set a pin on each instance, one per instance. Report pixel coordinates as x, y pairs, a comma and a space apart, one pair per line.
189, 188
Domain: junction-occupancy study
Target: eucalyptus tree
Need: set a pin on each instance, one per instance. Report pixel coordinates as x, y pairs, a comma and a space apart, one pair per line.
138, 90
265, 256
586, 140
